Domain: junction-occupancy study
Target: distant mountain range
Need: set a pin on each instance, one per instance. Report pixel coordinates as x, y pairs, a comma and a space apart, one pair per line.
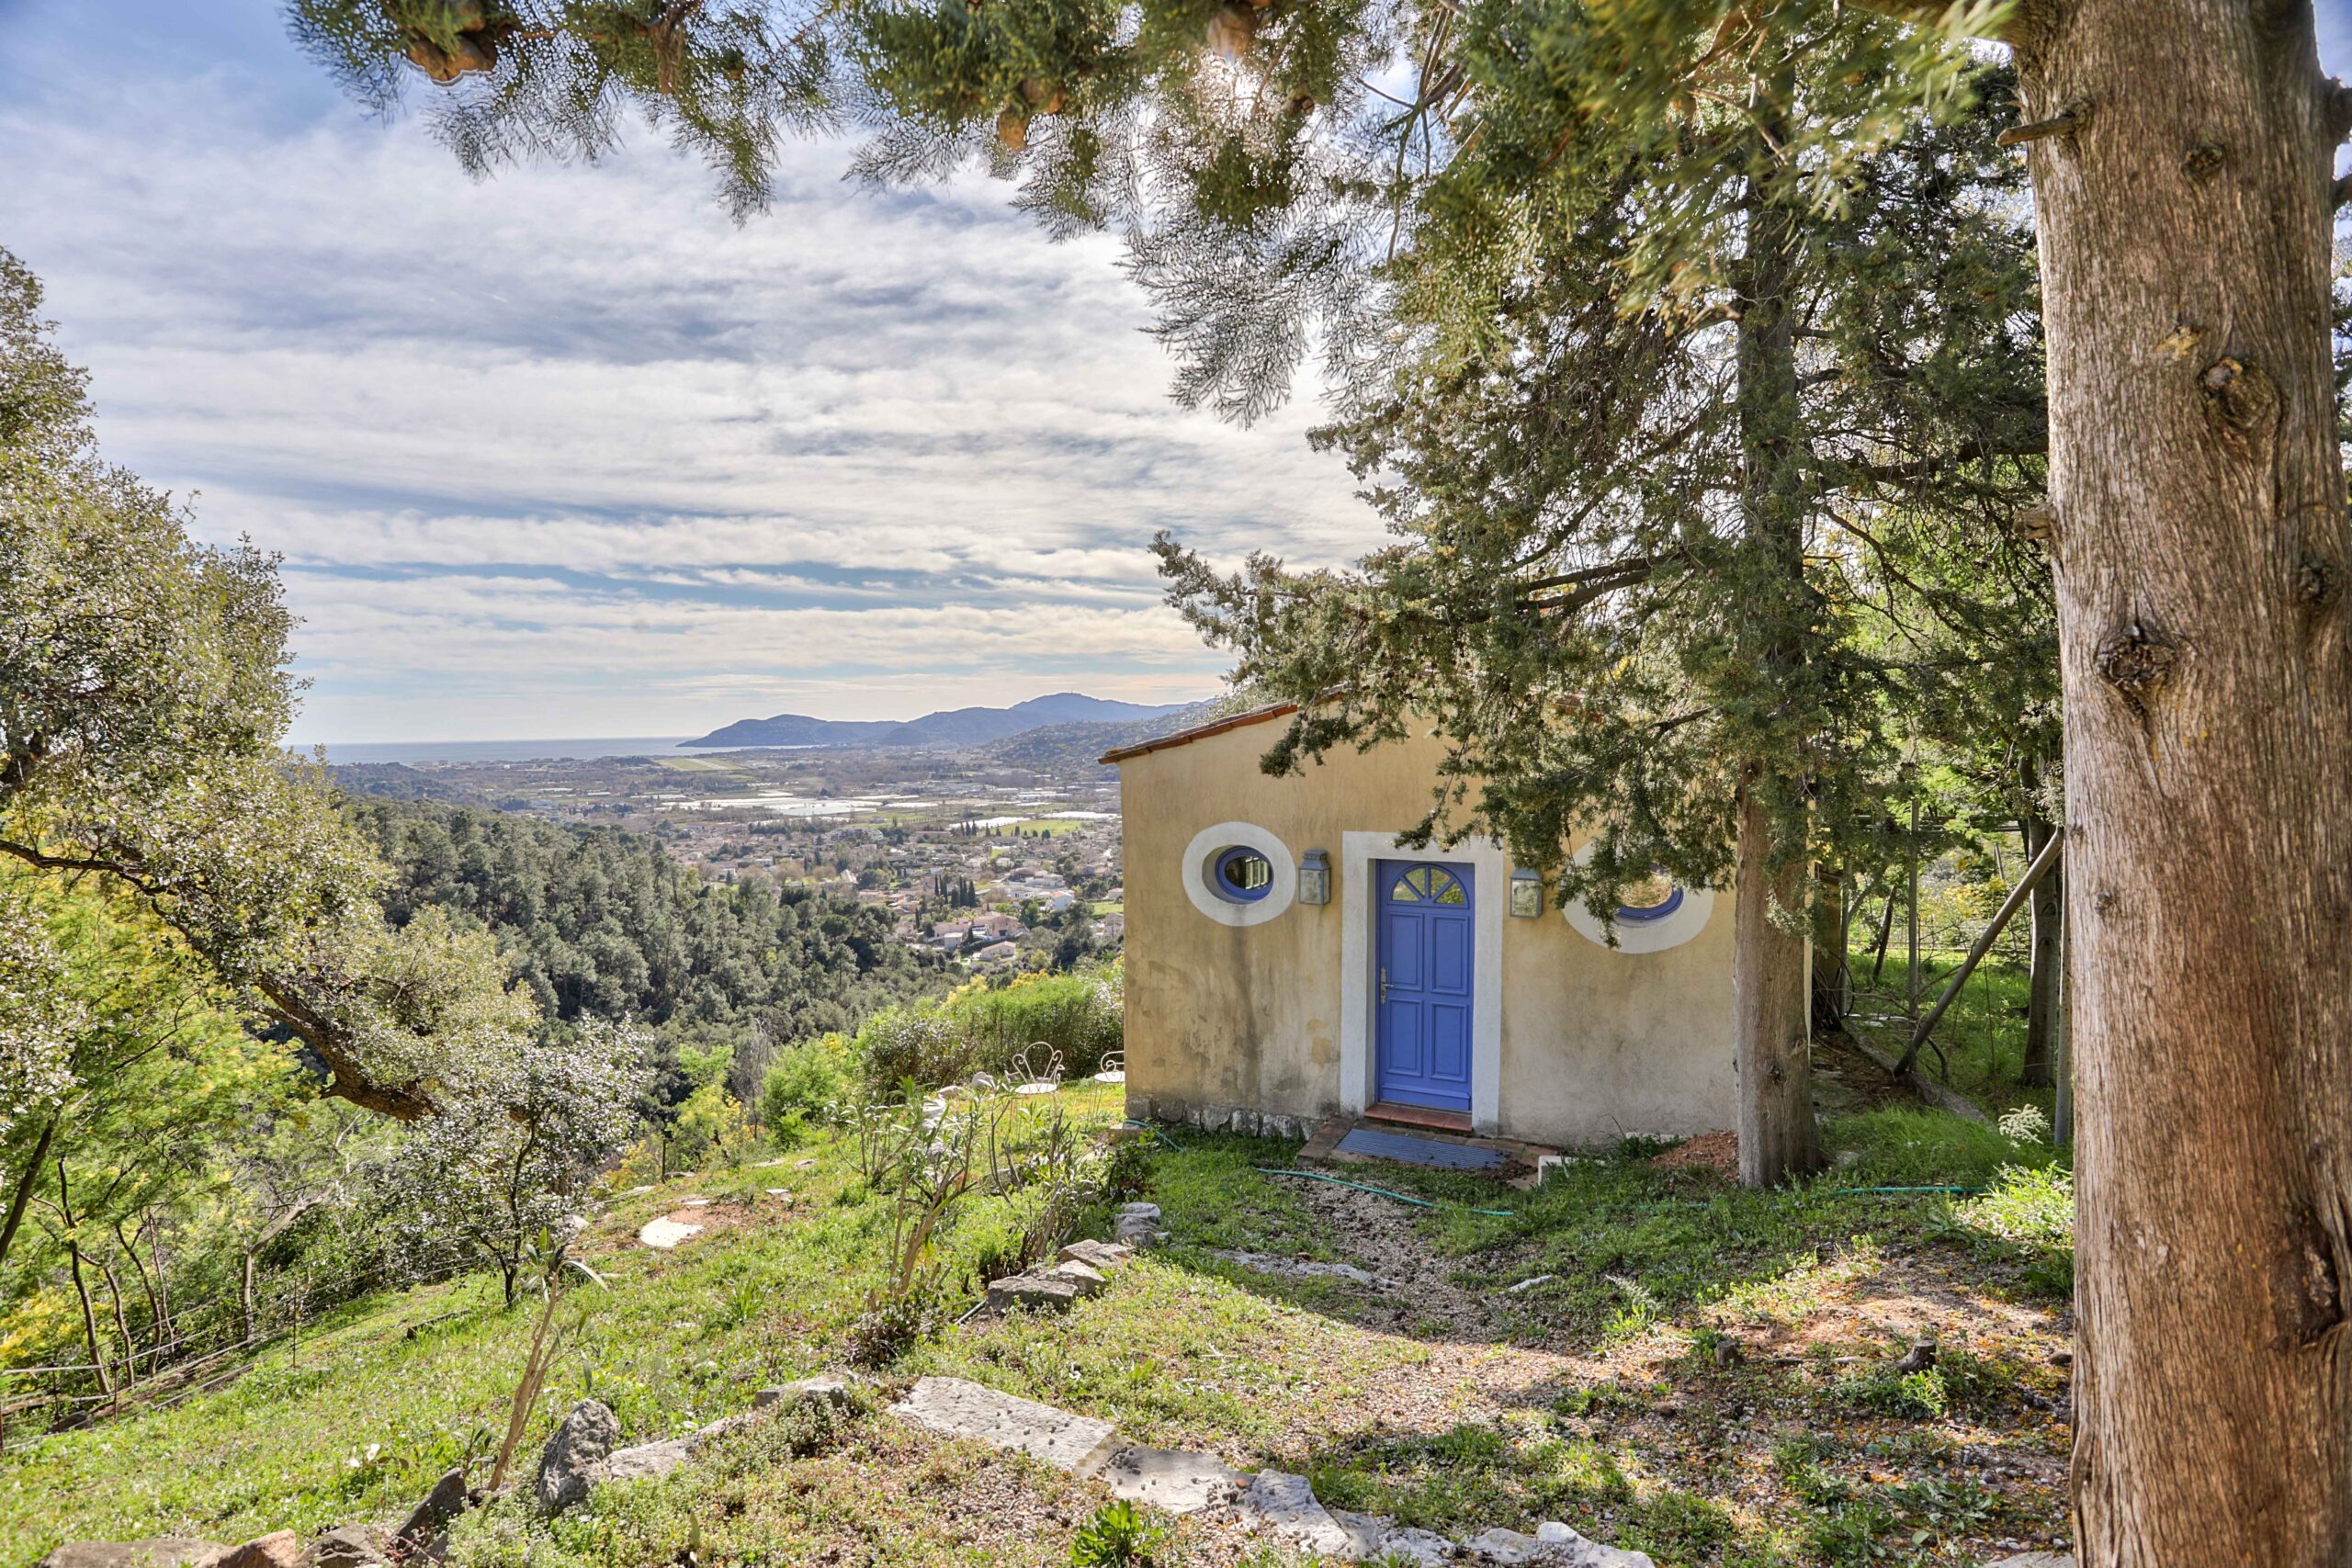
950, 727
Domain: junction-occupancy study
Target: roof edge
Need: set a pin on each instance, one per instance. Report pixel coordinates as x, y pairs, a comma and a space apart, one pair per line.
1199, 732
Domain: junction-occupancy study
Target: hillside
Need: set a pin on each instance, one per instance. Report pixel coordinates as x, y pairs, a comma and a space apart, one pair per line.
950, 727
1710, 1375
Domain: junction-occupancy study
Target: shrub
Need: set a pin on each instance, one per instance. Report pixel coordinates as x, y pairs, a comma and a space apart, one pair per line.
918, 1042
710, 1125
806, 1084
1081, 1014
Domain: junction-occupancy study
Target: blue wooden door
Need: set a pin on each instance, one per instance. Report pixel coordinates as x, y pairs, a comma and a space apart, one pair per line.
1426, 927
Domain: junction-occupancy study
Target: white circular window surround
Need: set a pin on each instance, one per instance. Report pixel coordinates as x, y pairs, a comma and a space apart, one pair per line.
1208, 847
1680, 916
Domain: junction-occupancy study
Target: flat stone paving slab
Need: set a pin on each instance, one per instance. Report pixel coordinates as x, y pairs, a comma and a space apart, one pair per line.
2036, 1559
954, 1408
1172, 1480
1285, 1506
666, 1232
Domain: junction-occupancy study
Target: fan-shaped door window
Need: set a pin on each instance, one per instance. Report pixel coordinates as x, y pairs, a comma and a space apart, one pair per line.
1428, 885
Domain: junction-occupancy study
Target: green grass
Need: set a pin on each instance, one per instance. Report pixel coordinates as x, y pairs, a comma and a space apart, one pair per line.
1978, 1046
1708, 1377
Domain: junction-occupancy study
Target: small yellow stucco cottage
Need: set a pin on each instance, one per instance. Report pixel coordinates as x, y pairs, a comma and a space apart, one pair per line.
1287, 962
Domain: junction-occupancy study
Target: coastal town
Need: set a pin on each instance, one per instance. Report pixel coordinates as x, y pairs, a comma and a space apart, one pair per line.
991, 863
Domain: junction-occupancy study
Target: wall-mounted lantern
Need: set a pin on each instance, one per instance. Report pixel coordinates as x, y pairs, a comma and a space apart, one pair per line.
1526, 895
1315, 878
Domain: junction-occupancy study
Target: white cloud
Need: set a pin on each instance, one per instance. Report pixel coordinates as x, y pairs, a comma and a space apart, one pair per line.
568, 454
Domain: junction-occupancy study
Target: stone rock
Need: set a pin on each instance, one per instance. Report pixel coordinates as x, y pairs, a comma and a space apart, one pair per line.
1139, 1231
153, 1551
1507, 1547
1104, 1256
1172, 1480
353, 1546
645, 1461
442, 1504
1089, 1281
2036, 1559
279, 1549
1425, 1548
1565, 1547
1148, 1210
568, 1464
1526, 1285
1363, 1533
823, 1388
955, 1408
1283, 1505
1041, 1293
665, 1232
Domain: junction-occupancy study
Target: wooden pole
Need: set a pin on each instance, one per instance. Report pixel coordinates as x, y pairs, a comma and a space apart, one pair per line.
2009, 906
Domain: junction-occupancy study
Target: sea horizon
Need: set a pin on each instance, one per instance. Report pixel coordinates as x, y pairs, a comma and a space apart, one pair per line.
576, 746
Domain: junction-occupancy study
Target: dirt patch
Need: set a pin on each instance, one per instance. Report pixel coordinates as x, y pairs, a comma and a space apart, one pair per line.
1718, 1152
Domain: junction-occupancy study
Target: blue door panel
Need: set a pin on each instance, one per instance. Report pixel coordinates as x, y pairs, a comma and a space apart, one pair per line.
1426, 939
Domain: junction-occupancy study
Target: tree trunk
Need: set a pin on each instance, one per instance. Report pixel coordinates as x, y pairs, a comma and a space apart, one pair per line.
1830, 975
2201, 557
1772, 1050
1772, 1045
154, 1303
2042, 986
245, 1300
1885, 932
80, 1286
121, 1325
25, 1185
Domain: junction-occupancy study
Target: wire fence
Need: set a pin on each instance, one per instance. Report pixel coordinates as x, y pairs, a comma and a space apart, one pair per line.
190, 1350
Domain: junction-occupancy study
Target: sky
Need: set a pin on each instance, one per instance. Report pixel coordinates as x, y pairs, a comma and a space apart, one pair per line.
567, 453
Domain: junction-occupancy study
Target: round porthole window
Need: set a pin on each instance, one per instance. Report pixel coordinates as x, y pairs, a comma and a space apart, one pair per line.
1654, 915
1237, 873
1243, 874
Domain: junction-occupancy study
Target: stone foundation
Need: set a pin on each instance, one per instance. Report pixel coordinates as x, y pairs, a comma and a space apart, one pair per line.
1240, 1119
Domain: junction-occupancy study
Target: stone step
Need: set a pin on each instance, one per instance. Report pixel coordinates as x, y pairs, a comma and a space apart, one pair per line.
1172, 1480
954, 1408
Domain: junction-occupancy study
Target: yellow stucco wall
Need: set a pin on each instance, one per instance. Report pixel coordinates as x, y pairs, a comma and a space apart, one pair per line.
1597, 1044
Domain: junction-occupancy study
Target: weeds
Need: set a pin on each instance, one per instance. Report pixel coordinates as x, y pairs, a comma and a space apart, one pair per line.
1118, 1535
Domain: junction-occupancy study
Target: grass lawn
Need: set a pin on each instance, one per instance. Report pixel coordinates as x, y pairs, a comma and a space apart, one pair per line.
1706, 1373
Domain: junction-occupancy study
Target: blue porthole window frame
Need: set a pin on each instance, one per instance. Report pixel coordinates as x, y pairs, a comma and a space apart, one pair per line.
1628, 915
1233, 890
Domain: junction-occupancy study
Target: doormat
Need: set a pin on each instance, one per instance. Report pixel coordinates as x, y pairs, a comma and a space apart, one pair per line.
1407, 1149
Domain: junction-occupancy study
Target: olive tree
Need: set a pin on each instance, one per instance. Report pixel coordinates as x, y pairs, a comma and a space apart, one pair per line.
499, 1168
143, 698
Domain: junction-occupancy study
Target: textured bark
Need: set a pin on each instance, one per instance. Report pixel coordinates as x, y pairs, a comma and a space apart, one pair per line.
1772, 1045
1830, 975
2201, 550
1772, 1049
25, 1185
2042, 988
